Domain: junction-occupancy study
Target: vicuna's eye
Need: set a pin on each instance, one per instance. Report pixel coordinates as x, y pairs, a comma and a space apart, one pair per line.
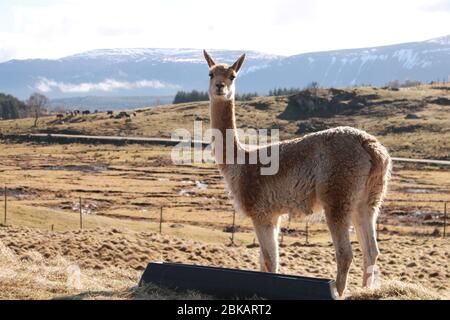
211, 75
232, 77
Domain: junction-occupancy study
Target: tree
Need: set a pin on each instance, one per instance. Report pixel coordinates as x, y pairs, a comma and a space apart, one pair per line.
10, 107
245, 96
411, 83
393, 84
313, 87
194, 95
284, 91
36, 104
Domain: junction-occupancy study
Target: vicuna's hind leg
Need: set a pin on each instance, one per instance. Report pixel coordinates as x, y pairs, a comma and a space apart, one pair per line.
267, 234
338, 221
364, 221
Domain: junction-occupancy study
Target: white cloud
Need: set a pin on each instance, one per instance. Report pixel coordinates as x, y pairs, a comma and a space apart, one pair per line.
48, 85
53, 29
440, 5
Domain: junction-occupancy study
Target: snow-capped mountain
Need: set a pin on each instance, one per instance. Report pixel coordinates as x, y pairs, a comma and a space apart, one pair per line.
119, 72
442, 40
161, 72
165, 55
424, 61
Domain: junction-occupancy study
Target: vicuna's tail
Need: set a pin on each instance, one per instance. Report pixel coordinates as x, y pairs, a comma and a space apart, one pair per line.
380, 172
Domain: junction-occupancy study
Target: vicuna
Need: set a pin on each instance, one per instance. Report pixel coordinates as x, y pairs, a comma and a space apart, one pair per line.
342, 172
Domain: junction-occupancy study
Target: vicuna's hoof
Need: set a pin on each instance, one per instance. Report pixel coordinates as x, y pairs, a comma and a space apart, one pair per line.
371, 278
340, 286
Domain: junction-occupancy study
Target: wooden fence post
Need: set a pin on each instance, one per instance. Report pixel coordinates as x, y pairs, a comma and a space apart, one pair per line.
160, 220
445, 219
287, 230
81, 216
307, 231
6, 205
233, 228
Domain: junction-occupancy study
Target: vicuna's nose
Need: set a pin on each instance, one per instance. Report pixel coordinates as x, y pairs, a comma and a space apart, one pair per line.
220, 85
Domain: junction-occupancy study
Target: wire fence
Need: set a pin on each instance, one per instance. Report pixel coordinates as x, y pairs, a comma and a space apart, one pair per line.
421, 219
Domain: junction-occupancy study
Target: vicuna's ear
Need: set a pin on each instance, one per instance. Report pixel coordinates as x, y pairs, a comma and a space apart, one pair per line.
238, 64
208, 58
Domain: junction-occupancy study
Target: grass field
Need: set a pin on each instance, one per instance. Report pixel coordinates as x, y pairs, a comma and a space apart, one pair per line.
381, 112
123, 189
38, 264
133, 182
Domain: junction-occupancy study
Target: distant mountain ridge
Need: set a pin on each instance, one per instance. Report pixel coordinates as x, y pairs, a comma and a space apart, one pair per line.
105, 103
165, 55
161, 72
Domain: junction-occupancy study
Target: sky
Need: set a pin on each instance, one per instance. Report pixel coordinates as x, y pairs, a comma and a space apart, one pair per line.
53, 29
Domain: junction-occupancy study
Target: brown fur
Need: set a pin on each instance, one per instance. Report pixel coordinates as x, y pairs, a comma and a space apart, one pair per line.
342, 171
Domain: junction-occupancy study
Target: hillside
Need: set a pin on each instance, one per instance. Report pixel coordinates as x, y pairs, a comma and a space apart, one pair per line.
411, 122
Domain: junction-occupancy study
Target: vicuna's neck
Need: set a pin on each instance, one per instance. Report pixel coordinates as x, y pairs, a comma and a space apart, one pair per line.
224, 122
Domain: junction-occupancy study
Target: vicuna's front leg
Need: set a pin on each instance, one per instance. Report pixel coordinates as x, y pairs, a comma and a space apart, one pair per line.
267, 234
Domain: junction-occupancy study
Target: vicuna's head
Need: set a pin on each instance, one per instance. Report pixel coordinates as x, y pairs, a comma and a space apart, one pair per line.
222, 76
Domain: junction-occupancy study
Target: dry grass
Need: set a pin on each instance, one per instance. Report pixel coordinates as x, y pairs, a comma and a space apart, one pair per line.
37, 264
31, 276
397, 290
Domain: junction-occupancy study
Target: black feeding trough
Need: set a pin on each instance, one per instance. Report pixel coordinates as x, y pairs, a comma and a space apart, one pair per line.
226, 283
